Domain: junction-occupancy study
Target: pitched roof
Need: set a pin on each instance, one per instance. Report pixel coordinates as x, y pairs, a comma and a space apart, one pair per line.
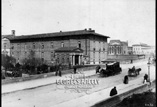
142, 45
68, 49
115, 42
124, 43
58, 34
6, 36
112, 41
136, 45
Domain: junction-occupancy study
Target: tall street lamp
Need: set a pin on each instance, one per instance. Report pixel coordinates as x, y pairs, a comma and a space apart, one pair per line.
148, 69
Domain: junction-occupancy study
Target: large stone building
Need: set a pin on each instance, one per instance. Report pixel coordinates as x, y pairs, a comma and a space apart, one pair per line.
74, 47
117, 47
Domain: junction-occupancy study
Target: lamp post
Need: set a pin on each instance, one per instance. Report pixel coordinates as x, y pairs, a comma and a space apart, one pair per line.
148, 69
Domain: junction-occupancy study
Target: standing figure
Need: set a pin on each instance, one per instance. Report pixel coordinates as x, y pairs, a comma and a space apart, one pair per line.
126, 80
57, 68
133, 68
59, 71
131, 61
56, 72
74, 70
113, 91
145, 78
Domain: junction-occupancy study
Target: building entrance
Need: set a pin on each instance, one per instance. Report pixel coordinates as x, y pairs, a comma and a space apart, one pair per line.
76, 59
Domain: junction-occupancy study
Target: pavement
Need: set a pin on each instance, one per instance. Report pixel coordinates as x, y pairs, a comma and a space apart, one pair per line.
9, 88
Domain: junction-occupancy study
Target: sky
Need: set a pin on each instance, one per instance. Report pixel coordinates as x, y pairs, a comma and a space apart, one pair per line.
126, 20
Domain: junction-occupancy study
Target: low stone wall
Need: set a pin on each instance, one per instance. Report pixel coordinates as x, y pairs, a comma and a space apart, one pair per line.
113, 101
33, 77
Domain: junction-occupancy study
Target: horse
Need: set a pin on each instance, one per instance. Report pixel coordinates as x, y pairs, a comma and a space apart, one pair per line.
97, 69
104, 72
138, 71
134, 72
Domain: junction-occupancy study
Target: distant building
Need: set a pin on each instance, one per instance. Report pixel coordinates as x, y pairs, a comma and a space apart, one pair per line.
142, 48
5, 43
74, 47
117, 47
130, 50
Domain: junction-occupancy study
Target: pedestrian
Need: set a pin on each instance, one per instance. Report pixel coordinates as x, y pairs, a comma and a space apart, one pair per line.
131, 61
60, 72
126, 80
57, 70
74, 70
145, 78
113, 91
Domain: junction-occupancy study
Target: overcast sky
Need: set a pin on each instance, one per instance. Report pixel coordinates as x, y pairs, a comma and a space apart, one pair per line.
127, 20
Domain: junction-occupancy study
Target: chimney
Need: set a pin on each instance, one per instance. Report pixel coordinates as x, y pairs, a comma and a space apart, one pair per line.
13, 32
90, 29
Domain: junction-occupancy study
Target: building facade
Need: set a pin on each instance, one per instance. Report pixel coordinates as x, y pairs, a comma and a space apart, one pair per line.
142, 48
130, 50
117, 47
87, 46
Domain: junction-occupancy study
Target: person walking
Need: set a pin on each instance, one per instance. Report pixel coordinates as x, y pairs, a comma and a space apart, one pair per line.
145, 78
113, 91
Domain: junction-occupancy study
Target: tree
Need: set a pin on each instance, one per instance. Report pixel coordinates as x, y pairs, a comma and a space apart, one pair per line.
32, 61
7, 61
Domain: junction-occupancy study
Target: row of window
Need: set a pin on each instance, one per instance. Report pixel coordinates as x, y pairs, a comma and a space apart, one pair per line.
63, 60
115, 50
136, 49
42, 54
42, 45
94, 61
99, 49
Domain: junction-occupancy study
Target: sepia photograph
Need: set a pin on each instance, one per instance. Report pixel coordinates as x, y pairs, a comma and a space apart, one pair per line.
78, 53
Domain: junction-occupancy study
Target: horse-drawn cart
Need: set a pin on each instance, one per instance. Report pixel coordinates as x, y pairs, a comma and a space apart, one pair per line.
134, 72
111, 69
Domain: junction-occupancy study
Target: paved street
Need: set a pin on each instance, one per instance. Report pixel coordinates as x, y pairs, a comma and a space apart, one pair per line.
6, 88
50, 95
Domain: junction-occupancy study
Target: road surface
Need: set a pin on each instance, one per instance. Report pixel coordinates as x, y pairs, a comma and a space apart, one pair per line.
51, 95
